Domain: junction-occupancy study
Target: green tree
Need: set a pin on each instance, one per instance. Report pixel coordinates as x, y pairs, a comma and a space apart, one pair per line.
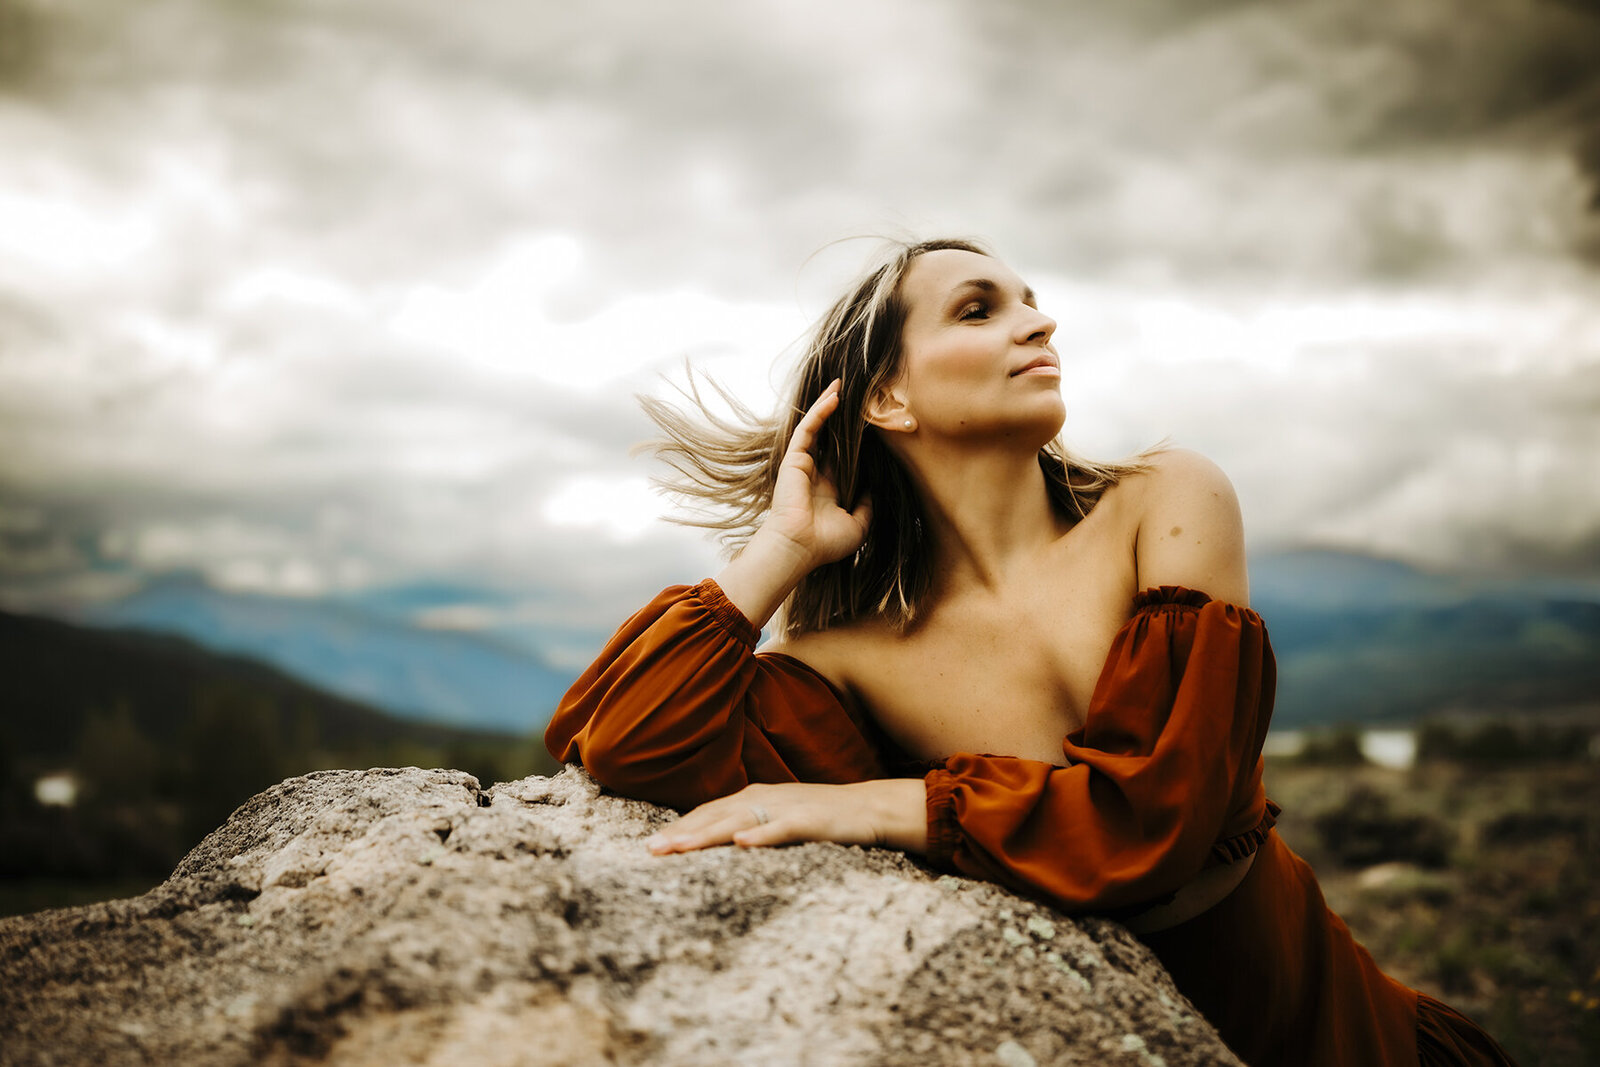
116, 761
231, 751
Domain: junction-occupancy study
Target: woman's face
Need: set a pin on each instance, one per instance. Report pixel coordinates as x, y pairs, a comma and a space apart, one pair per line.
976, 358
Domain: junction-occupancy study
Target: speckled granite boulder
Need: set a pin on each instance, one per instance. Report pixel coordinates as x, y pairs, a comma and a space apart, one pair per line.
407, 916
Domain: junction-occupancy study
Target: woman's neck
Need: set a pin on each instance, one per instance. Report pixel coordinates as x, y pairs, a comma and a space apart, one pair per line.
989, 512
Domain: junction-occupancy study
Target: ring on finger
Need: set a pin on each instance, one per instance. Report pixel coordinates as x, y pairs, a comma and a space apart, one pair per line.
762, 818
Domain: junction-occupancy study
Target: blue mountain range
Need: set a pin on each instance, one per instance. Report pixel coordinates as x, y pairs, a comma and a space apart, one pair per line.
358, 652
1358, 639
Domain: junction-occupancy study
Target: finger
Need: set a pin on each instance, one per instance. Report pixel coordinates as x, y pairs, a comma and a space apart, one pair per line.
805, 431
862, 513
709, 835
713, 811
776, 832
686, 826
695, 821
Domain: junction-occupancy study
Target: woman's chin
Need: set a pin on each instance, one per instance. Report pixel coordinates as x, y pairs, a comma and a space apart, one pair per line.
1051, 419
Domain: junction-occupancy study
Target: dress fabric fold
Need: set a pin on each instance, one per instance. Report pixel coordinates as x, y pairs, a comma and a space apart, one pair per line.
1162, 781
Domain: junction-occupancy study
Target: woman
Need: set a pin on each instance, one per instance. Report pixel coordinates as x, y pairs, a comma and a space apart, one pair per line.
1024, 667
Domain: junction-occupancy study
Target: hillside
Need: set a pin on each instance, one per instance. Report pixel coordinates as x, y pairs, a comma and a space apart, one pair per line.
349, 649
164, 739
1362, 640
59, 675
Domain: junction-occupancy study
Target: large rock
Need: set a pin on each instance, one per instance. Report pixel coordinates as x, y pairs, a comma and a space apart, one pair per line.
406, 916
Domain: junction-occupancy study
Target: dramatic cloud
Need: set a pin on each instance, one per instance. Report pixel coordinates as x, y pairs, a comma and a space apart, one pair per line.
312, 298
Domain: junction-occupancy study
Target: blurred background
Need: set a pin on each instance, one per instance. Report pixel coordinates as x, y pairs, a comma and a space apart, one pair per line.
321, 326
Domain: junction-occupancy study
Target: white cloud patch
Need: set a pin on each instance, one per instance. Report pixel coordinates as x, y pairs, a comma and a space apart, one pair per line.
622, 509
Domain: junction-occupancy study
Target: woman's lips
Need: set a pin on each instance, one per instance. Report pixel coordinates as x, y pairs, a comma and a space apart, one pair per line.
1044, 364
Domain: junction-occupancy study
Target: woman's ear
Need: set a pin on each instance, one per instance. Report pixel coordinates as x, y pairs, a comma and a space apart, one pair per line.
887, 410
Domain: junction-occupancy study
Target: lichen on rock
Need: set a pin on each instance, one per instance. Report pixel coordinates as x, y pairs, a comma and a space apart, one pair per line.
413, 917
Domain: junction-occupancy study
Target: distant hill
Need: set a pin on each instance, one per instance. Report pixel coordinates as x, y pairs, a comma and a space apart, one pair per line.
1364, 640
441, 676
162, 739
59, 675
1317, 579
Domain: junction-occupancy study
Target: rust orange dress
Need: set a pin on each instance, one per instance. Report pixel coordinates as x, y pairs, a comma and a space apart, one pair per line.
1161, 781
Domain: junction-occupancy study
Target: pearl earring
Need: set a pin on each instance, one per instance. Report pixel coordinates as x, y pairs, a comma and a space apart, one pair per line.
908, 424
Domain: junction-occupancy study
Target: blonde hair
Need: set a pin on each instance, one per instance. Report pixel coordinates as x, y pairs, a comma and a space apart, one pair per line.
727, 466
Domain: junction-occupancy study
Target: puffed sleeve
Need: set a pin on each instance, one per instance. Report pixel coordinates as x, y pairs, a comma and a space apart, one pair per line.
1163, 778
679, 709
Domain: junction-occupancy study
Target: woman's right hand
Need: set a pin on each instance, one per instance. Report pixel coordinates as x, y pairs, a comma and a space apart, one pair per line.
804, 529
805, 513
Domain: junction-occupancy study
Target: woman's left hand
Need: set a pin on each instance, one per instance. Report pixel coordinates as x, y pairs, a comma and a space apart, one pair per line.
889, 812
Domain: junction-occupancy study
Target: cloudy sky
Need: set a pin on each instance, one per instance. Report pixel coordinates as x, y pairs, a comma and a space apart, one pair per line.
317, 297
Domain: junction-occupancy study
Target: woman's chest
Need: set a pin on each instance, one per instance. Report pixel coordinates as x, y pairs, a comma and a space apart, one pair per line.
1009, 677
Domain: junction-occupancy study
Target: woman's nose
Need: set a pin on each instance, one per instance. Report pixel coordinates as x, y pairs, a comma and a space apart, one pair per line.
1036, 327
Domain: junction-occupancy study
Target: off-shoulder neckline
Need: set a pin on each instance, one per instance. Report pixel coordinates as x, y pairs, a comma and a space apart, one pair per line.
1170, 596
1154, 598
797, 661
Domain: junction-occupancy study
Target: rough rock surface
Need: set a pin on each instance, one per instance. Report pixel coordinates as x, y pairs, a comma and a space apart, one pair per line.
407, 916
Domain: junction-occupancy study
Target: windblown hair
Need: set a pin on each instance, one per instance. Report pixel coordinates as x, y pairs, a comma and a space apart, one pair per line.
726, 468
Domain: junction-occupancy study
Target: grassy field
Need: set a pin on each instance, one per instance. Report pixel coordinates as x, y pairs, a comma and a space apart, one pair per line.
1473, 882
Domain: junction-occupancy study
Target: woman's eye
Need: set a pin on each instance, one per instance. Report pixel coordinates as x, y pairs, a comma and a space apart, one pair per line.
974, 310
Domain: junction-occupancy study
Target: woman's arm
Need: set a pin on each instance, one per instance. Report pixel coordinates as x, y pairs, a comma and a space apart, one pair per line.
1190, 532
805, 529
679, 710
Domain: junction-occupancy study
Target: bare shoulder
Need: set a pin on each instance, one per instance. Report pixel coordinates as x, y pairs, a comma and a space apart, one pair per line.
828, 652
1189, 531
1185, 476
